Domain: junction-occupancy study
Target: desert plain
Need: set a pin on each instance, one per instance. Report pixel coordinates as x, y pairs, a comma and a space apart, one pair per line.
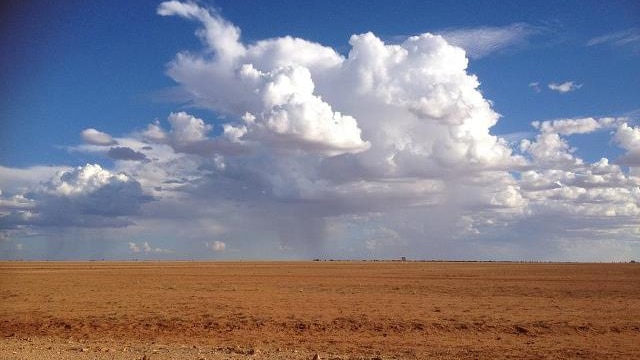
324, 309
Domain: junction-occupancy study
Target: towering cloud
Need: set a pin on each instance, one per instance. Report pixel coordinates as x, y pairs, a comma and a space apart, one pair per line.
410, 104
328, 138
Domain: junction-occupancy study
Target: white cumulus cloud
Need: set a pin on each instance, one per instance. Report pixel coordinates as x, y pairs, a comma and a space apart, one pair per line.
133, 248
87, 196
146, 248
564, 87
577, 126
95, 137
629, 139
217, 246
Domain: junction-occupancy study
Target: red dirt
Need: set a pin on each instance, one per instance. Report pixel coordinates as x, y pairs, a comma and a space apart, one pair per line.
343, 309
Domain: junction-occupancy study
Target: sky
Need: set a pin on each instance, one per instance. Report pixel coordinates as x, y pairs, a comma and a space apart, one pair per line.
467, 130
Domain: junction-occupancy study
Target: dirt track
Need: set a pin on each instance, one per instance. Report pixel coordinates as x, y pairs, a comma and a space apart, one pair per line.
276, 310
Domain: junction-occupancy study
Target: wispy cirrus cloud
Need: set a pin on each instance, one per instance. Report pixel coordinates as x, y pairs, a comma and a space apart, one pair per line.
482, 41
626, 37
535, 86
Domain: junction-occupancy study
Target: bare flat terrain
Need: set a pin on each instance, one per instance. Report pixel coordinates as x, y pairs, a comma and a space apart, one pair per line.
339, 310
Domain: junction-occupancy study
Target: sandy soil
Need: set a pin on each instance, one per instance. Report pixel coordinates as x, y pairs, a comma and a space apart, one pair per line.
338, 310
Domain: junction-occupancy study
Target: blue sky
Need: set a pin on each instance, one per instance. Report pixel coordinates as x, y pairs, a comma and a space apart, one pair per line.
112, 66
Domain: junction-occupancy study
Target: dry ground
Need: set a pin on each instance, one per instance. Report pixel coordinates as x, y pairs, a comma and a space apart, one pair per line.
340, 310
